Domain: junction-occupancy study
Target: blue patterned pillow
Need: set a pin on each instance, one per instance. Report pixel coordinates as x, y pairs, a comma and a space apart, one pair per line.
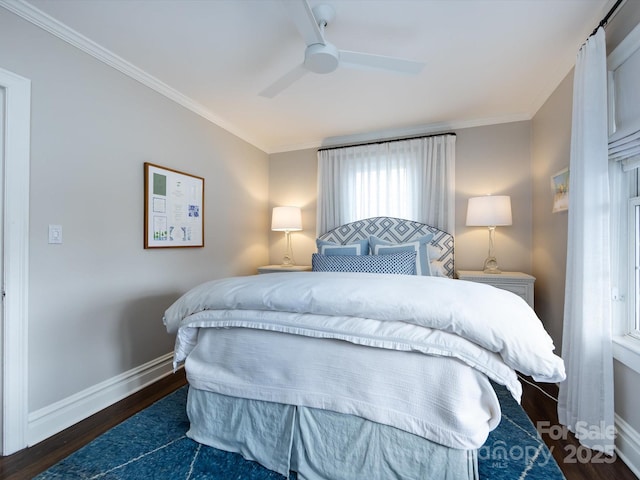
419, 245
360, 247
403, 263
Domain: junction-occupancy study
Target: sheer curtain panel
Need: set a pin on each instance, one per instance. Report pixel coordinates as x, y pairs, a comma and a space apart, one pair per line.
585, 403
412, 179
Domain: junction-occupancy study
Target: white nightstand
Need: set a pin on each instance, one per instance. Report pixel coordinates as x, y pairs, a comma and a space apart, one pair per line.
517, 282
282, 268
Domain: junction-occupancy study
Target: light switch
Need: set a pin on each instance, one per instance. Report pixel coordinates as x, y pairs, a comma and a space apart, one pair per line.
55, 233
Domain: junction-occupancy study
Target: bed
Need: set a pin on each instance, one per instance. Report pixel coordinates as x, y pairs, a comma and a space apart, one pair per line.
347, 372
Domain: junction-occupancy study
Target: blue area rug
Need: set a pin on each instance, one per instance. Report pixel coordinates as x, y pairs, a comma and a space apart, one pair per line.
152, 445
514, 450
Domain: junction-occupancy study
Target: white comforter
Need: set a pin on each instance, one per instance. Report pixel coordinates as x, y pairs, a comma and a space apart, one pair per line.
490, 329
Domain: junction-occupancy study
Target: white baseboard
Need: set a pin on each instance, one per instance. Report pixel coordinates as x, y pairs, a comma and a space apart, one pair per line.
628, 445
54, 418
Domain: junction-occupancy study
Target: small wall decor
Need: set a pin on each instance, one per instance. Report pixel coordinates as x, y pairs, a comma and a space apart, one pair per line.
560, 188
173, 208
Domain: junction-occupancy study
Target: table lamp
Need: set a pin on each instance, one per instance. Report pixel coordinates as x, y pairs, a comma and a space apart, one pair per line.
489, 211
287, 220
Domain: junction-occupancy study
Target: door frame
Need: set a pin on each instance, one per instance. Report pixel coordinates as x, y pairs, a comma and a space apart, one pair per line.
15, 319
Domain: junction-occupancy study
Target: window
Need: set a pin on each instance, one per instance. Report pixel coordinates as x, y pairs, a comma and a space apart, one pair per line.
633, 262
379, 193
624, 162
412, 179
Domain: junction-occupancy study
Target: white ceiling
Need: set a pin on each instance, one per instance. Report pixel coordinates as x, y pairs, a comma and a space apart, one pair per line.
487, 61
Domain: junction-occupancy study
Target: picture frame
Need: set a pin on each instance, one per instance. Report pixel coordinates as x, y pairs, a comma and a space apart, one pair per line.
173, 208
560, 189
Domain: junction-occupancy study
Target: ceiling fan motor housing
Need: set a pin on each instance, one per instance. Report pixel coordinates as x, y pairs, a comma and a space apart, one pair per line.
321, 58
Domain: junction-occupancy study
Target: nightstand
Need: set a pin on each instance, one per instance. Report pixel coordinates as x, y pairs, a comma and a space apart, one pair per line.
517, 282
282, 268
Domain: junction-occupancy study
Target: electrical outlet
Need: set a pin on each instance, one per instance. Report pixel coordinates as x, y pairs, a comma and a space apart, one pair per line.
55, 233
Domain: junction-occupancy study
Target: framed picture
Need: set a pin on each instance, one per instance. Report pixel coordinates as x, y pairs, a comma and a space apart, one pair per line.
173, 208
560, 189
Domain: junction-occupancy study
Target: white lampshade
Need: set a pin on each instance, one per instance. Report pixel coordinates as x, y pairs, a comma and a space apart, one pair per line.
489, 211
286, 219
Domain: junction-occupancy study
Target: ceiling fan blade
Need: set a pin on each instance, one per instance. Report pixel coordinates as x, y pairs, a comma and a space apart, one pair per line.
394, 64
304, 20
283, 82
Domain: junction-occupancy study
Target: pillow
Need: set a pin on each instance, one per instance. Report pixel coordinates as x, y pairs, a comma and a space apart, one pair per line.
435, 265
403, 263
437, 269
419, 245
434, 251
360, 247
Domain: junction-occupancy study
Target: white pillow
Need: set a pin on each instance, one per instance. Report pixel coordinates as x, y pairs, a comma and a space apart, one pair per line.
436, 266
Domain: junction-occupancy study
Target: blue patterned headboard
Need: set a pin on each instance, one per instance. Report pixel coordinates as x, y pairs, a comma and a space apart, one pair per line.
394, 230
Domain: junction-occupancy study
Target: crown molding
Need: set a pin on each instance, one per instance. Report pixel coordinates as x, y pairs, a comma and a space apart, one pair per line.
46, 22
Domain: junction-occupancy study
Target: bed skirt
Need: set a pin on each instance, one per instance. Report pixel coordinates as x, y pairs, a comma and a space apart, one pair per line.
320, 444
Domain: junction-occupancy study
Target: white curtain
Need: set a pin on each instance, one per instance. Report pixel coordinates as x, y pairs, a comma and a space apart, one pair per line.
585, 403
412, 179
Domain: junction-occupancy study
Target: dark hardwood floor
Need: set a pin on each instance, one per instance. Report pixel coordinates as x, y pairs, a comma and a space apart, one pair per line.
28, 463
575, 461
540, 408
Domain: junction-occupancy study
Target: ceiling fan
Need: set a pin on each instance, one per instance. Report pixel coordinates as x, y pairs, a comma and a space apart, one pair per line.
322, 56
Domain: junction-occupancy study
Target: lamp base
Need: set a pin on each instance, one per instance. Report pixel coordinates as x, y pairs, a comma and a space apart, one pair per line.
287, 259
491, 265
287, 262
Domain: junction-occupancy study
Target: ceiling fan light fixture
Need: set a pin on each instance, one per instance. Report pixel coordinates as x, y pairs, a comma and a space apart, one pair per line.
321, 58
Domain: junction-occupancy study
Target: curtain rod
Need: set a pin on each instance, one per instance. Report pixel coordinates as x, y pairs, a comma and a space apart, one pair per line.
607, 17
377, 142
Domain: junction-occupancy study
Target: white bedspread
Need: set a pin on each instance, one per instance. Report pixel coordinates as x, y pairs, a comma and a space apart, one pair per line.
490, 329
437, 398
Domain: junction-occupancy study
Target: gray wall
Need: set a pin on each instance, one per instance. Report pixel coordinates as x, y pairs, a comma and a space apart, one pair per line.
96, 301
293, 180
492, 159
551, 142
